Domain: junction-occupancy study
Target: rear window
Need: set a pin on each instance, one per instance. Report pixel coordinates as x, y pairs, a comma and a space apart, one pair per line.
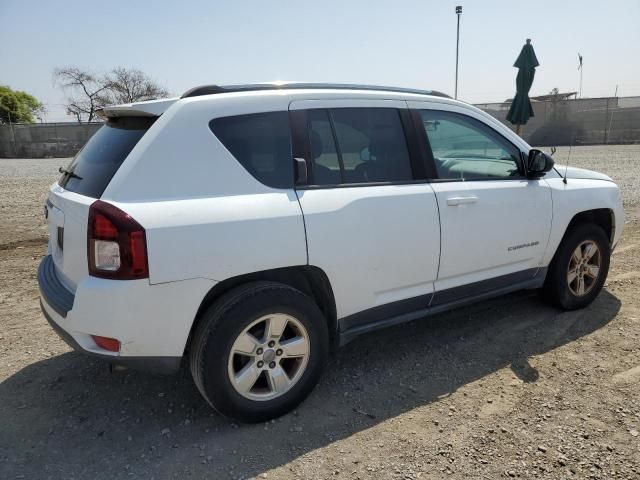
261, 142
94, 166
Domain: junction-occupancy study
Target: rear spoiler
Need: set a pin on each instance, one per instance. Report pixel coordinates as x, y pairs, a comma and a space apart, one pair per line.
152, 108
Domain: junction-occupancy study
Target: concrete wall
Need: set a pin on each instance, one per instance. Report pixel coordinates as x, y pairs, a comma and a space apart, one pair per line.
42, 140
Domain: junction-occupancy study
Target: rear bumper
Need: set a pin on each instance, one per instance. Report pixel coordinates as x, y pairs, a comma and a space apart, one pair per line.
161, 365
51, 288
57, 303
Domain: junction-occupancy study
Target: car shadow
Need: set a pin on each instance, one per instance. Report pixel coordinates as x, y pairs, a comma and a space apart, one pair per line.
68, 416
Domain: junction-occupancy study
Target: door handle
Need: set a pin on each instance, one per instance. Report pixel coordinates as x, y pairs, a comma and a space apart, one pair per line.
454, 201
302, 175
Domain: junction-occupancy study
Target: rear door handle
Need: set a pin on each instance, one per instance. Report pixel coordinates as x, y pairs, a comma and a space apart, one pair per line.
454, 201
302, 175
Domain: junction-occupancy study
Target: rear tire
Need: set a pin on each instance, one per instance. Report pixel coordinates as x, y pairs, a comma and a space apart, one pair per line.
579, 268
259, 351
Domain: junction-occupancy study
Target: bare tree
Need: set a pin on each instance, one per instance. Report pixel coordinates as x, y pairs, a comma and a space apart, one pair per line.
131, 85
86, 91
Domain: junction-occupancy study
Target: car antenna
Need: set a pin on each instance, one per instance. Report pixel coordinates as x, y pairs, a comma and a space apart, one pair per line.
566, 168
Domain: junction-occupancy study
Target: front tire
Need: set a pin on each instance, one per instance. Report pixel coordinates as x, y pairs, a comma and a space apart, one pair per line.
259, 351
579, 268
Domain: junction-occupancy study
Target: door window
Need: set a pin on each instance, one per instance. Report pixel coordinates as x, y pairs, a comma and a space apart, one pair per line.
465, 149
358, 145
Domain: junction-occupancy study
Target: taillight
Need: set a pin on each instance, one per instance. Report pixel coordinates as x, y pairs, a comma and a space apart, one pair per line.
116, 244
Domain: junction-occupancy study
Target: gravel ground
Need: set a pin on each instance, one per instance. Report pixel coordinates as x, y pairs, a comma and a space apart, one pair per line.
506, 388
620, 162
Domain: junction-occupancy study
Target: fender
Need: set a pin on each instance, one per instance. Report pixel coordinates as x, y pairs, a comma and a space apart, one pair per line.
576, 196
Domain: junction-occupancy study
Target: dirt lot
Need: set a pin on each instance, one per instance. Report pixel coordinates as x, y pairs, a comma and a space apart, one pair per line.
506, 388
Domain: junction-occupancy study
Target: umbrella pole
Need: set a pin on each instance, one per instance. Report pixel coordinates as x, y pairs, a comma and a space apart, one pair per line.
519, 129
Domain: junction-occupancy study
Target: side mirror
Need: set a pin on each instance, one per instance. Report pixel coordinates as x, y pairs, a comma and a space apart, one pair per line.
538, 163
431, 125
365, 155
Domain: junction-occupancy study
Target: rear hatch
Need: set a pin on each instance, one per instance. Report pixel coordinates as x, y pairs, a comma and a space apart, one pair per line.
81, 183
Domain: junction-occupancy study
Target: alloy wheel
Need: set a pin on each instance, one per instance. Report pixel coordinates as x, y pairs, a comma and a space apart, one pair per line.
584, 268
269, 357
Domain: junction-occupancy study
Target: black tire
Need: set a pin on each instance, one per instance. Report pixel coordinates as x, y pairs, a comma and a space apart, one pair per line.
556, 288
222, 323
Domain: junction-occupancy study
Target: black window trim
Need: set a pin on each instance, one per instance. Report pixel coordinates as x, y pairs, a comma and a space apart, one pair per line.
426, 145
332, 125
416, 158
361, 184
301, 143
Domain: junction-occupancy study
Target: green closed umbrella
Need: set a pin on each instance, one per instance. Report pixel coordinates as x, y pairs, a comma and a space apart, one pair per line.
521, 109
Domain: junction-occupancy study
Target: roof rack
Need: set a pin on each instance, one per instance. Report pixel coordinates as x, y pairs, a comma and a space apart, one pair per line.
215, 89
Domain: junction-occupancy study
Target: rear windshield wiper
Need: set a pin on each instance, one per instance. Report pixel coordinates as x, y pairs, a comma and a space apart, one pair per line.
69, 173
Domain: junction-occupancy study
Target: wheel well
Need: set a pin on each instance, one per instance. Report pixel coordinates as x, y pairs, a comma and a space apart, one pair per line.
602, 217
310, 280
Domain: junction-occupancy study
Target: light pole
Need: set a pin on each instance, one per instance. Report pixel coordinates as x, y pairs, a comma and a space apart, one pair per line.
458, 12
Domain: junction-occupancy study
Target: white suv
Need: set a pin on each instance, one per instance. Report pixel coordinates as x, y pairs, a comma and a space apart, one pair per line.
251, 228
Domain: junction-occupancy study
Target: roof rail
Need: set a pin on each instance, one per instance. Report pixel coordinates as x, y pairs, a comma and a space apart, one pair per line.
215, 89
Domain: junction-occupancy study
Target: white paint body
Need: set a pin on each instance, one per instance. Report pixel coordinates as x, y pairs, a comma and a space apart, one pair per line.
207, 220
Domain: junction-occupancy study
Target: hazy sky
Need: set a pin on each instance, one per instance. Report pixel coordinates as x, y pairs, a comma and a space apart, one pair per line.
402, 43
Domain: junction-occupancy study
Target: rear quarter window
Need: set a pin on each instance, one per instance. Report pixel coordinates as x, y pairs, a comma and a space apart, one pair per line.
261, 142
94, 166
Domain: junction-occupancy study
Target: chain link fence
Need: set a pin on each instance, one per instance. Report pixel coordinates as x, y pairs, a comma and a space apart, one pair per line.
587, 121
42, 140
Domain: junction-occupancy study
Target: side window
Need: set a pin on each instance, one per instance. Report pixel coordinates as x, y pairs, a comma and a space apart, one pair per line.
261, 142
371, 146
464, 149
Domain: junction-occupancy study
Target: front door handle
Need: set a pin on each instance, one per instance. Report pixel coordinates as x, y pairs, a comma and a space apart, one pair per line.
454, 201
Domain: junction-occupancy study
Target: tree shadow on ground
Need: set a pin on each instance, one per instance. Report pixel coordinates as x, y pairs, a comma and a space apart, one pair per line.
68, 417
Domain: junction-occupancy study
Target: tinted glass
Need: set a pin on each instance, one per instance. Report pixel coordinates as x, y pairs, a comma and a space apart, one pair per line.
463, 148
325, 164
372, 145
261, 142
96, 164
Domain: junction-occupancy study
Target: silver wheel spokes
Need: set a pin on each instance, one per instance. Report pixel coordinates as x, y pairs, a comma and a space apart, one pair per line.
269, 357
584, 268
